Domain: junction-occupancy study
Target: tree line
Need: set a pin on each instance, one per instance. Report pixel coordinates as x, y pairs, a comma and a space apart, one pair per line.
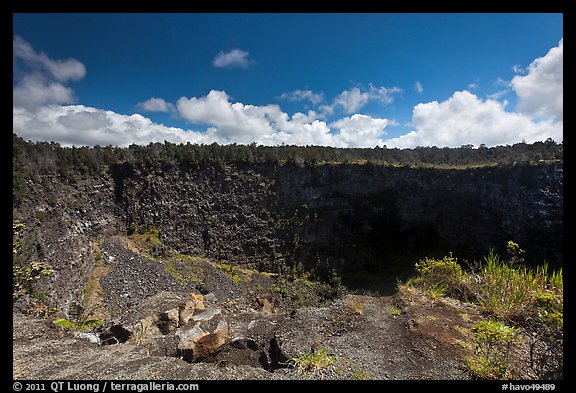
34, 158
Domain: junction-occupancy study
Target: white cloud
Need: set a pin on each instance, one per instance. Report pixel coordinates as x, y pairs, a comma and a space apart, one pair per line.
360, 130
268, 125
228, 123
80, 125
156, 105
39, 79
418, 87
541, 90
303, 95
466, 119
243, 121
61, 70
240, 123
32, 92
40, 112
352, 100
81, 119
472, 86
233, 58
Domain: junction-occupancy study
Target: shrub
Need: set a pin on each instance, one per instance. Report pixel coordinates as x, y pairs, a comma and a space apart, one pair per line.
441, 277
24, 277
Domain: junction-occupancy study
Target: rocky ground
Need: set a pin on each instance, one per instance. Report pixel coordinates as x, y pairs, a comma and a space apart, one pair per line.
363, 334
182, 317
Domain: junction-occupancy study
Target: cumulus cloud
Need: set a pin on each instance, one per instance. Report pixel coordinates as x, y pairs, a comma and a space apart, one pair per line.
360, 130
156, 105
231, 59
268, 125
80, 125
352, 100
243, 123
42, 111
32, 92
466, 119
541, 91
418, 87
303, 95
228, 122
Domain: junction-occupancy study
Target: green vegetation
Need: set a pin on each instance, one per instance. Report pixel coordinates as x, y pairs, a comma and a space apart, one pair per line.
356, 305
33, 159
182, 270
148, 238
40, 216
441, 277
315, 363
519, 299
494, 341
24, 275
494, 331
393, 310
78, 326
505, 290
306, 291
549, 308
234, 272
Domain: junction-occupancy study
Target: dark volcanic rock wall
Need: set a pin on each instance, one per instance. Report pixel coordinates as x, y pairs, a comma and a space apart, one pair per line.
63, 222
348, 216
384, 212
270, 216
239, 208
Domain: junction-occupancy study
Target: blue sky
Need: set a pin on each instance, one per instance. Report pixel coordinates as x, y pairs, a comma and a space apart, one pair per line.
346, 80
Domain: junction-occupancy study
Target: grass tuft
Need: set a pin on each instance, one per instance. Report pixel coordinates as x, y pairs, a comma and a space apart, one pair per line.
316, 362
